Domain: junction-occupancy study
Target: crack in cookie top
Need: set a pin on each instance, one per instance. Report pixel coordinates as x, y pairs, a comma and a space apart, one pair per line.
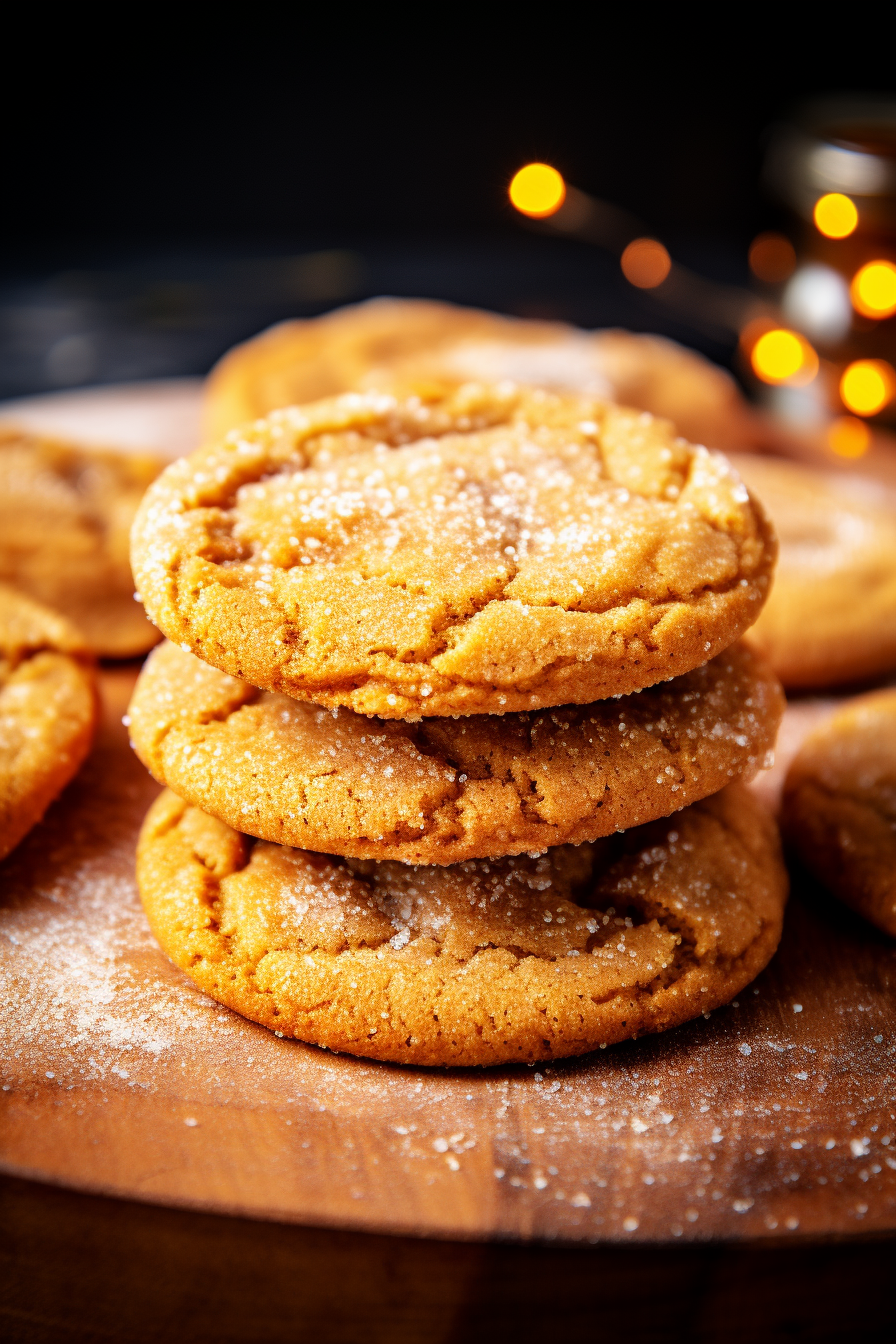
491, 549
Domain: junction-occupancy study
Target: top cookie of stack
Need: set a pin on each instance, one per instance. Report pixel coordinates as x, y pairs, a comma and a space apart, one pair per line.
477, 551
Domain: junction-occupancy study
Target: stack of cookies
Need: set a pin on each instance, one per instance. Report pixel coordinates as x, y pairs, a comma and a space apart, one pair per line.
452, 719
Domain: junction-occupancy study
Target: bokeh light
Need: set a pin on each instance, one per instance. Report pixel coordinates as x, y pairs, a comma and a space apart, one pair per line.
867, 386
848, 437
835, 215
645, 263
772, 258
537, 190
782, 356
873, 289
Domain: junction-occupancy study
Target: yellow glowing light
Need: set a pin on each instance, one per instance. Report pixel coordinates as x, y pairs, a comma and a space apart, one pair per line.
772, 258
835, 215
867, 386
848, 437
873, 289
782, 356
537, 190
645, 263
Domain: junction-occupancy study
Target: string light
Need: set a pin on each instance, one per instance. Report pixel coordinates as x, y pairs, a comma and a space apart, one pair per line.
782, 356
645, 263
848, 437
772, 258
867, 386
835, 215
873, 289
537, 190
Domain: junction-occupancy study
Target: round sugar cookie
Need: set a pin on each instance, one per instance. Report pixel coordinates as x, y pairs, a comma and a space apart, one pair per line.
515, 959
839, 806
491, 549
831, 614
389, 344
48, 711
65, 518
443, 790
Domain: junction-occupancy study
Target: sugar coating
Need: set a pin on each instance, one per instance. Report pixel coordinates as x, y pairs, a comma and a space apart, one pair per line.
407, 344
48, 711
839, 805
481, 962
65, 516
486, 550
831, 614
442, 790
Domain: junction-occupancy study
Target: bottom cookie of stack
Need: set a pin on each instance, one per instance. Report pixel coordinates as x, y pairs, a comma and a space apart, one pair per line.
480, 962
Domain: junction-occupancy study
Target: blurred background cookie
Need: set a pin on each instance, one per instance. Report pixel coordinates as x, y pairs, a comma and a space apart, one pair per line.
831, 616
48, 711
65, 518
839, 807
516, 959
397, 344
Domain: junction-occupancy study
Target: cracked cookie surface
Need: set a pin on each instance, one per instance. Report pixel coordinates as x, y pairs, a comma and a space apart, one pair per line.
839, 806
65, 518
443, 790
489, 550
48, 711
831, 614
516, 959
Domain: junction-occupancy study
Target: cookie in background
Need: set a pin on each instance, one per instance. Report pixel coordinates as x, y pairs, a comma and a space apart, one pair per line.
65, 519
48, 711
839, 806
401, 345
830, 618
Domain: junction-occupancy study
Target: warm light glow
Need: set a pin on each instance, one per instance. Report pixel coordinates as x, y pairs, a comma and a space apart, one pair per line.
772, 258
835, 215
782, 356
873, 289
537, 190
848, 437
867, 386
645, 263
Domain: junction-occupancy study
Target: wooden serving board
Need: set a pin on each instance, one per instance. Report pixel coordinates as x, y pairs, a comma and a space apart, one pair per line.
774, 1117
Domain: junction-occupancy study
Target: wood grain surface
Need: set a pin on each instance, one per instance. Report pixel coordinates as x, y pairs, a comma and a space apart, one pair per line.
774, 1118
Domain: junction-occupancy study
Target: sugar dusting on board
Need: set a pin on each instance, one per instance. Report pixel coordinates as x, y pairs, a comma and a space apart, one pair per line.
773, 1116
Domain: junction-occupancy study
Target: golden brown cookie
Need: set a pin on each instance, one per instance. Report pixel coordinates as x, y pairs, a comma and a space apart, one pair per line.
839, 808
476, 963
443, 790
396, 344
831, 614
494, 549
48, 711
65, 516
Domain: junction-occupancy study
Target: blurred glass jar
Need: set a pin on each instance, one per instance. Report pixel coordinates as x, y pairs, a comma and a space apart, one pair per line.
834, 167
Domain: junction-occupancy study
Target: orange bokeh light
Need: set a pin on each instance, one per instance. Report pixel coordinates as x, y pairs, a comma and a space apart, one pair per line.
537, 190
835, 215
867, 386
782, 356
873, 289
772, 258
848, 437
645, 263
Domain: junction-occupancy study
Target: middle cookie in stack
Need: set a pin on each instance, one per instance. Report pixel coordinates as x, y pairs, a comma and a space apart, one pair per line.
464, 565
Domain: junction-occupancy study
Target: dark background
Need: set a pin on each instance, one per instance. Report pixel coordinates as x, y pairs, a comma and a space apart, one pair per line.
145, 166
